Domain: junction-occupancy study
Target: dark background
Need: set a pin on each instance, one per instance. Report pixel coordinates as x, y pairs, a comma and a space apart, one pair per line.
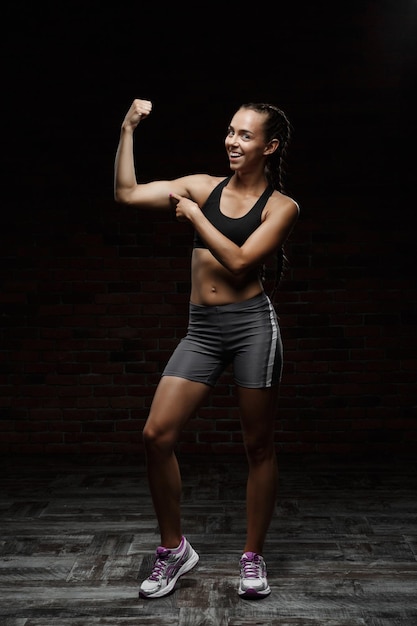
94, 296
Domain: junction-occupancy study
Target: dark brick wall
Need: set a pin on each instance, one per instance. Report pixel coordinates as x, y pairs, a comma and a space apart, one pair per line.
94, 296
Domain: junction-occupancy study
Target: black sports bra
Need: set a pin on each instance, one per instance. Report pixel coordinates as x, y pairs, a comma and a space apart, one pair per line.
237, 229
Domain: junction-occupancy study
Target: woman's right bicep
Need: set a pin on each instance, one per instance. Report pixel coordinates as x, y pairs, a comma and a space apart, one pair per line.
156, 194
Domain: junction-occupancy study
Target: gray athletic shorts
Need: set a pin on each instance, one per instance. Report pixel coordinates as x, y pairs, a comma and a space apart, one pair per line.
245, 334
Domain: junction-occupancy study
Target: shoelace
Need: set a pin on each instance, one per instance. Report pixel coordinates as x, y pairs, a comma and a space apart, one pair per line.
251, 567
159, 565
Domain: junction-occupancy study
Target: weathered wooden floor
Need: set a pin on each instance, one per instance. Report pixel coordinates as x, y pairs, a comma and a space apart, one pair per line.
77, 535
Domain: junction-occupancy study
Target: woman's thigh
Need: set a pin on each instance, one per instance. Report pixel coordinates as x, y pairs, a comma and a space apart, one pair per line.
258, 408
176, 400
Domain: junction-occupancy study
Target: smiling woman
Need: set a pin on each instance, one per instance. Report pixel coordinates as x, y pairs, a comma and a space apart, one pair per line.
240, 222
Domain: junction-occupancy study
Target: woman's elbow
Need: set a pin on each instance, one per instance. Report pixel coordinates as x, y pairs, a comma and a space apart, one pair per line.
121, 196
239, 267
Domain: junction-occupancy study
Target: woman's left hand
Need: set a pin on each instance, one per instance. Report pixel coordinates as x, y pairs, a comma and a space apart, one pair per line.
184, 207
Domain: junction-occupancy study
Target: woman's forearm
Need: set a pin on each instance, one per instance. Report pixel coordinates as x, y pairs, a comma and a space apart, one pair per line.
124, 169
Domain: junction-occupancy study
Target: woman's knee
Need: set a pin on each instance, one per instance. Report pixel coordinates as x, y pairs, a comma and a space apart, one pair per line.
259, 451
157, 439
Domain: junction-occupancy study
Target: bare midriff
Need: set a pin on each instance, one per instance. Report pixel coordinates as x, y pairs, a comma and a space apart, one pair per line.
212, 284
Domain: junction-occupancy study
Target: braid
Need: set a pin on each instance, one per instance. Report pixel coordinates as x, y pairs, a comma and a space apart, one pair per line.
277, 126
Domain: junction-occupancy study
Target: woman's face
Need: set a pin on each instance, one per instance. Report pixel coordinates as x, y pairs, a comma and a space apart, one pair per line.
245, 141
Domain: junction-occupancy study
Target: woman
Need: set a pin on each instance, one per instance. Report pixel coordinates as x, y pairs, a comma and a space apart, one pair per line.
240, 221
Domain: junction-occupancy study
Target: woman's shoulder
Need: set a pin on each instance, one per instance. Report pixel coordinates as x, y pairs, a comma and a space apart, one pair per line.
284, 202
281, 207
200, 186
207, 180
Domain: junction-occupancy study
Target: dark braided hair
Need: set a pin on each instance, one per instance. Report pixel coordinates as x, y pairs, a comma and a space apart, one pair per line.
276, 126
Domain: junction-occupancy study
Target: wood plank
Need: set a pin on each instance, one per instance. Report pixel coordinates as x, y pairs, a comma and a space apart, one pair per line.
78, 535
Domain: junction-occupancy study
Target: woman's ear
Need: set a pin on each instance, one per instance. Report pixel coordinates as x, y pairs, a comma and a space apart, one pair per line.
271, 146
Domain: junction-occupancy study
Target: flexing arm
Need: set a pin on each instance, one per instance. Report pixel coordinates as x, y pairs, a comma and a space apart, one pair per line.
153, 195
124, 169
126, 189
270, 235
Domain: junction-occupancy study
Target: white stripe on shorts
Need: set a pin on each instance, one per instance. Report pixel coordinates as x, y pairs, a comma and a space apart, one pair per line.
273, 348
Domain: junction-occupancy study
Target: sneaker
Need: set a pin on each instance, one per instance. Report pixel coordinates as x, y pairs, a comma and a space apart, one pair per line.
253, 582
169, 565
